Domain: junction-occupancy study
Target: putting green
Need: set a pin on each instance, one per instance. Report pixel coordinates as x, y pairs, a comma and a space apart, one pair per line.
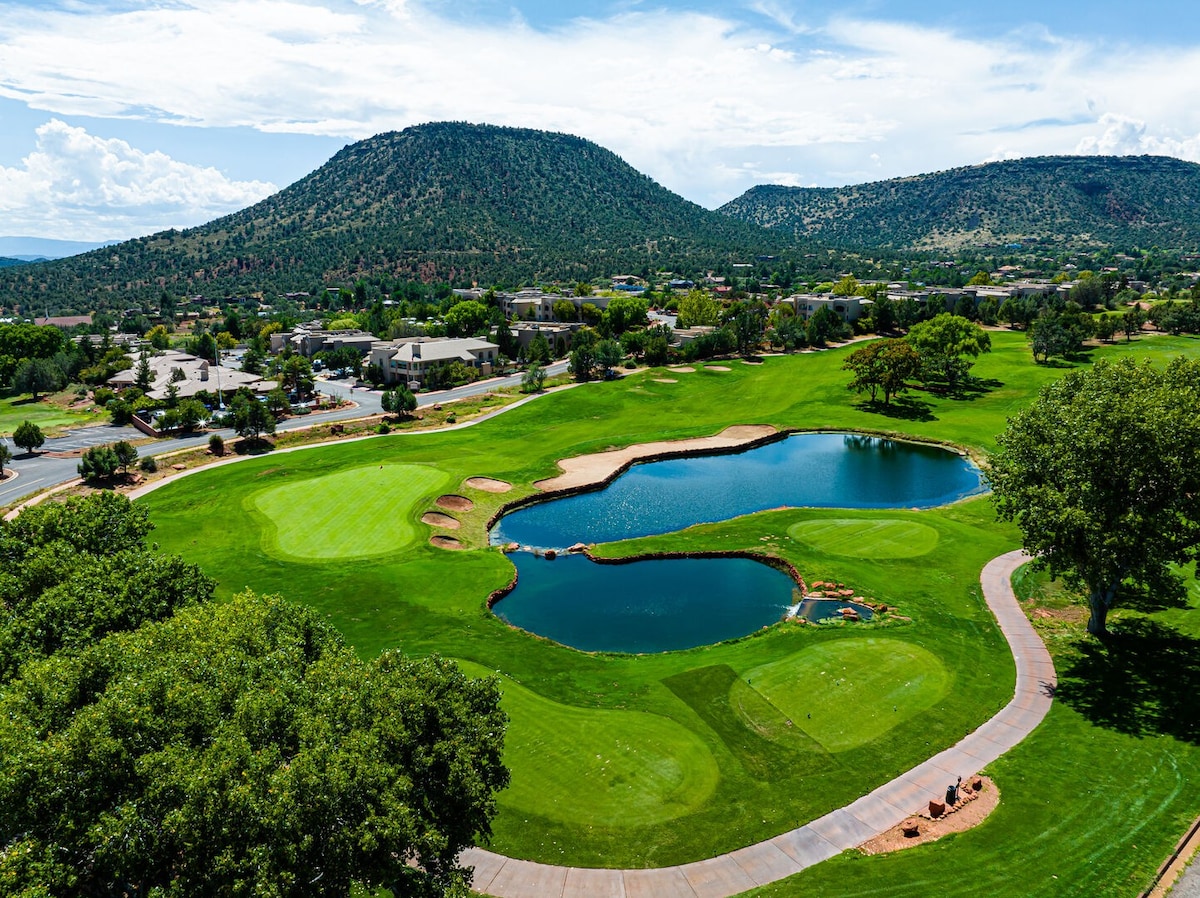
356, 513
848, 692
859, 538
599, 767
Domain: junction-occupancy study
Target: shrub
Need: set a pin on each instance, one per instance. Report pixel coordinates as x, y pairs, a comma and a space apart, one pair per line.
148, 464
102, 396
383, 427
216, 444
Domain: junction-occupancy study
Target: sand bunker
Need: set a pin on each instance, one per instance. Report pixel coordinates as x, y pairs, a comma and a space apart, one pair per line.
967, 815
715, 368
437, 519
488, 485
682, 369
665, 380
585, 470
454, 503
446, 542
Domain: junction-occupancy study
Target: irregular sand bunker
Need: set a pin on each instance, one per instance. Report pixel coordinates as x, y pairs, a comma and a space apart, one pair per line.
716, 368
665, 380
437, 519
454, 503
682, 369
446, 542
585, 470
488, 484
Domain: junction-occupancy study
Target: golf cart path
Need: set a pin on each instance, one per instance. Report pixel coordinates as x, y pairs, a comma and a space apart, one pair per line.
794, 851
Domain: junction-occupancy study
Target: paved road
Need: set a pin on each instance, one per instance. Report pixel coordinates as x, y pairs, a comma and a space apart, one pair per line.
42, 471
845, 828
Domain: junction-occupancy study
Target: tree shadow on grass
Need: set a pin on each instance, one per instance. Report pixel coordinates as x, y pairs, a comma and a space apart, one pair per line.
1142, 681
904, 408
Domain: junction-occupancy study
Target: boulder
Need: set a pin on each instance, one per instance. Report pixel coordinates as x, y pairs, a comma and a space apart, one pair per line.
578, 547
937, 807
911, 827
551, 555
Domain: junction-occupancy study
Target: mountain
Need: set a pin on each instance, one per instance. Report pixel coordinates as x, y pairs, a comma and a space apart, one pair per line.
448, 201
38, 249
6, 262
1120, 201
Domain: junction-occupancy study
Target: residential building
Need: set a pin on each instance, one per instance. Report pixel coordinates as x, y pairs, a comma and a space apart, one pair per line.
409, 359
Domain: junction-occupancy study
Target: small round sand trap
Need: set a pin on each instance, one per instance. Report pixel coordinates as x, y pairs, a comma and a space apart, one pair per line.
437, 519
488, 485
682, 369
665, 380
715, 368
454, 503
445, 542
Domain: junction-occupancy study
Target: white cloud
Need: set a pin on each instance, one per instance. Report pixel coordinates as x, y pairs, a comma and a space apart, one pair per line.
82, 187
684, 96
1124, 136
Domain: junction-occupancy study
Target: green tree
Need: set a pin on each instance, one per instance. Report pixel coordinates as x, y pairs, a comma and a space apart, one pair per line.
38, 375
564, 310
191, 413
295, 375
251, 418
28, 436
583, 354
126, 454
1102, 475
698, 308
947, 344
533, 379
6, 457
277, 402
624, 312
1047, 337
882, 366
251, 752
159, 337
608, 356
539, 349
749, 326
399, 401
825, 325
98, 463
467, 318
847, 286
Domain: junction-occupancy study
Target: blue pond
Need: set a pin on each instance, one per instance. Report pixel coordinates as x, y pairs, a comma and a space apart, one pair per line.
669, 604
656, 605
823, 470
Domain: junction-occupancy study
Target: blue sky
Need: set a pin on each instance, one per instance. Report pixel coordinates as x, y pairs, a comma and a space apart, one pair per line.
124, 117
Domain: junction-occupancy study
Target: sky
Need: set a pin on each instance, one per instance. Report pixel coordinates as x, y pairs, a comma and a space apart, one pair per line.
120, 118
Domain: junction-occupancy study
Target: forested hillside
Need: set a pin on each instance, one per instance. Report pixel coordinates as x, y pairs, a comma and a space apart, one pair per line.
451, 202
1061, 201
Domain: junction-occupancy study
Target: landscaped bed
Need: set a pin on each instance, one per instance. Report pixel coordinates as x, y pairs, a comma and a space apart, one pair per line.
652, 760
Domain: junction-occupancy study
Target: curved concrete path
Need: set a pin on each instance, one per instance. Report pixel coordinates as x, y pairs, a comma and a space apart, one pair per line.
837, 831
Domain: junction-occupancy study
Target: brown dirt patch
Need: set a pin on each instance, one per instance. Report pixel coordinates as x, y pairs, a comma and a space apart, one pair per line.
585, 470
454, 503
964, 817
488, 484
665, 380
716, 368
446, 542
437, 519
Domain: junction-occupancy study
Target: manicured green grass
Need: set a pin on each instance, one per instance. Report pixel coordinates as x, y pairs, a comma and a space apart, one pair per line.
726, 702
883, 538
317, 519
50, 413
585, 766
884, 681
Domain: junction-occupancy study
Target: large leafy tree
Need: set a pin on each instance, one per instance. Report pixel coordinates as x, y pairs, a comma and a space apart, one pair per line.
37, 375
28, 436
467, 318
5, 457
243, 749
882, 366
251, 418
948, 345
1102, 474
72, 572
